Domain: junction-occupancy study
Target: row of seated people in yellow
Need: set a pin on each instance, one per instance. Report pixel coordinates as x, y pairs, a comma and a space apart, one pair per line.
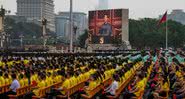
119, 78
137, 86
13, 62
5, 79
69, 80
126, 71
95, 79
41, 84
53, 76
23, 80
161, 88
177, 81
51, 79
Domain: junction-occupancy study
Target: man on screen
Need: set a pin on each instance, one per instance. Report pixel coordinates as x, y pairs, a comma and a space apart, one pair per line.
106, 28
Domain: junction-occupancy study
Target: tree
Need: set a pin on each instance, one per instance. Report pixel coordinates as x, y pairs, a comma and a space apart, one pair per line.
82, 39
146, 33
117, 40
32, 32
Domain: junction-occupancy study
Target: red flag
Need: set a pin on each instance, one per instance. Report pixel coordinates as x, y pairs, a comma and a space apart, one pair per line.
163, 19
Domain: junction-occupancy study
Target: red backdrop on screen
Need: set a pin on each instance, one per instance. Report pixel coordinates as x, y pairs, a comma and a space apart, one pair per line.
105, 25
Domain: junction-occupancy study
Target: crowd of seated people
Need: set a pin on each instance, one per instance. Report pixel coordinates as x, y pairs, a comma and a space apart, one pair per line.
44, 71
137, 85
161, 78
164, 78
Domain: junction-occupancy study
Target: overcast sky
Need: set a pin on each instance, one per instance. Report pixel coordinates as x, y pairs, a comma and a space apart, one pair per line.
137, 8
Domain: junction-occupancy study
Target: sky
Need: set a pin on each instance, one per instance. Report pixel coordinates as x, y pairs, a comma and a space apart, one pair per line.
137, 8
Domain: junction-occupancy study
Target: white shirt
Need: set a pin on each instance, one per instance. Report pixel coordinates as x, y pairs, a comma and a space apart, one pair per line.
15, 85
112, 88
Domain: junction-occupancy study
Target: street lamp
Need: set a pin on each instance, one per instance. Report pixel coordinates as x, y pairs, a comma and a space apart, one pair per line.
3, 34
44, 24
7, 37
21, 40
75, 28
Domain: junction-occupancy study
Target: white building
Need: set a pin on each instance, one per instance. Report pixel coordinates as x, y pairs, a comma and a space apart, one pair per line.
34, 10
177, 15
62, 24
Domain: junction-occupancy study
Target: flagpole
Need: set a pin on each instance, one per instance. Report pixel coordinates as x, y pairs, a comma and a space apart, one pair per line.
71, 26
167, 30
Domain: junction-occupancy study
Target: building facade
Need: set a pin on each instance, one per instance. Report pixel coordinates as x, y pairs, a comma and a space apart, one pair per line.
35, 10
176, 15
62, 24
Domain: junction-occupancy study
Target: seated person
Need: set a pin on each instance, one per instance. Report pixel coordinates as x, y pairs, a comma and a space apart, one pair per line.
89, 85
2, 81
36, 90
92, 83
139, 86
7, 79
179, 88
21, 80
41, 84
161, 88
111, 90
14, 86
65, 85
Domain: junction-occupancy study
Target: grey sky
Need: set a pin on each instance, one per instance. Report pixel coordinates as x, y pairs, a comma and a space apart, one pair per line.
138, 8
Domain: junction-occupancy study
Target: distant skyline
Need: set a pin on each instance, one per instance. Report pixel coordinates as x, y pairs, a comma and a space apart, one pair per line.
137, 8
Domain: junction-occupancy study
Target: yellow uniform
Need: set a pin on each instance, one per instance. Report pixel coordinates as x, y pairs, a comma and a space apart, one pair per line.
123, 79
91, 86
127, 74
26, 61
21, 81
25, 81
98, 81
1, 64
86, 75
112, 71
73, 81
7, 81
34, 78
49, 81
165, 86
58, 78
178, 74
40, 85
140, 86
66, 85
2, 81
109, 73
80, 78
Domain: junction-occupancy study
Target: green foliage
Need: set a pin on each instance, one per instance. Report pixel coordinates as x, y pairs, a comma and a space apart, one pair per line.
117, 40
82, 38
147, 33
32, 32
142, 33
27, 29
